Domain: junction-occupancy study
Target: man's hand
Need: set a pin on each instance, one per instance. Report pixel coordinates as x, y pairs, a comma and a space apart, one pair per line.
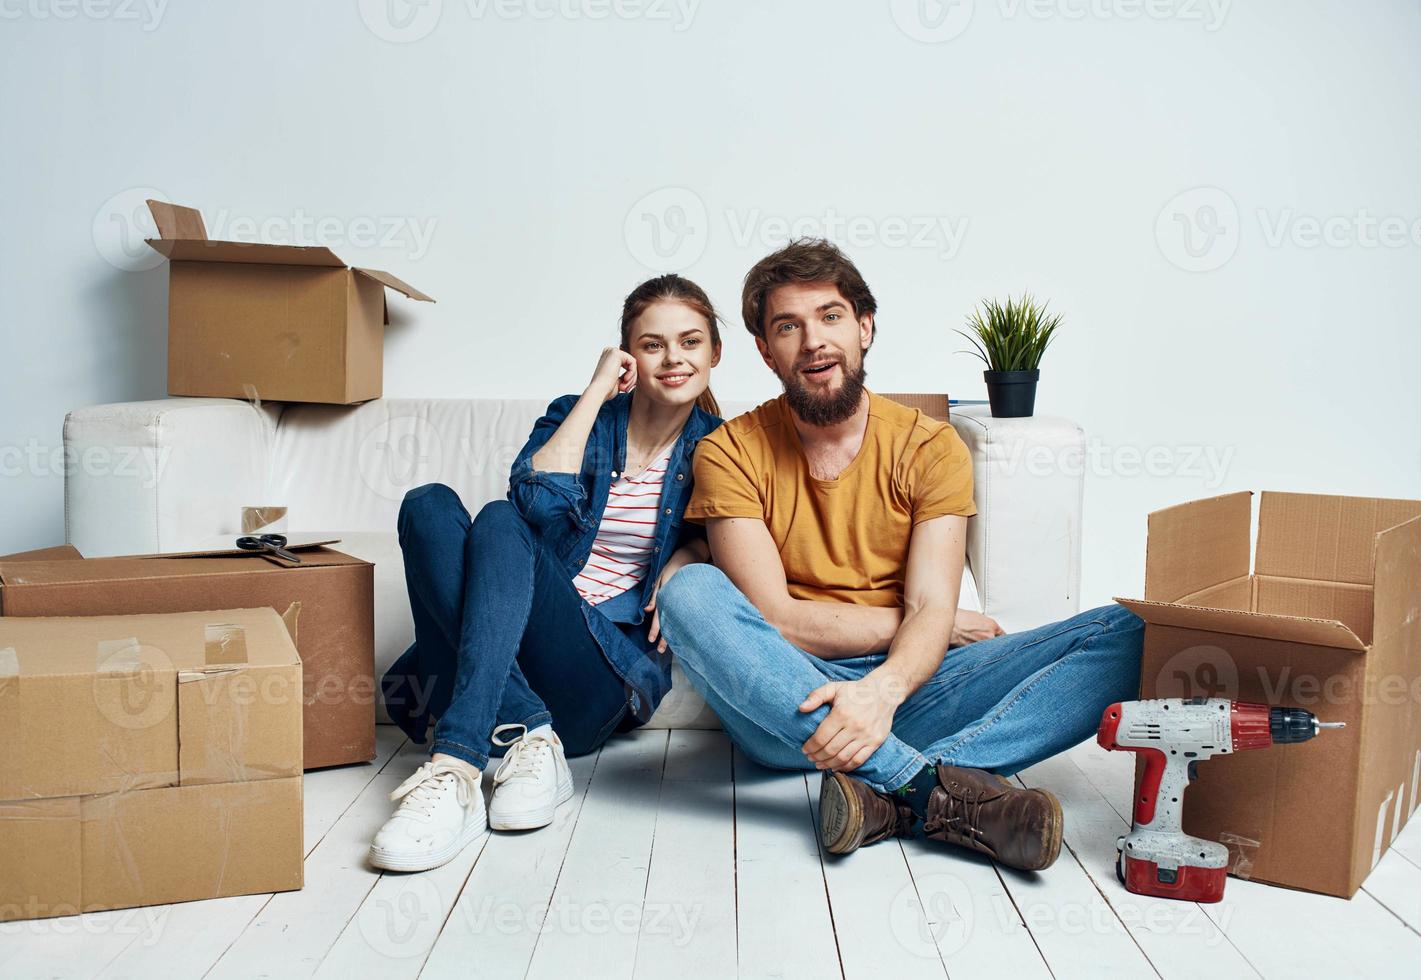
969, 627
858, 722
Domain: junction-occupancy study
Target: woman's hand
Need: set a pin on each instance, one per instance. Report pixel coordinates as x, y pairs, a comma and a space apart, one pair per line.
615, 374
969, 627
686, 555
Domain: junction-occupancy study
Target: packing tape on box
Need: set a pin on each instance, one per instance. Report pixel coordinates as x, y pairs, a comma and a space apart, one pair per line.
1240, 854
119, 656
224, 643
9, 663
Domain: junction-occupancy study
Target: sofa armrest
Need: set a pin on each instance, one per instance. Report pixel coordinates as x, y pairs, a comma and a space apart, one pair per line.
1024, 545
154, 476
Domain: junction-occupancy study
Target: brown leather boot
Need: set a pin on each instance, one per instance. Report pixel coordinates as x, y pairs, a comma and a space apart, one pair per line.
974, 808
852, 813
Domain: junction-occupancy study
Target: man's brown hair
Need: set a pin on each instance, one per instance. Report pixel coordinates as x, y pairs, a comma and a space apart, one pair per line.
804, 260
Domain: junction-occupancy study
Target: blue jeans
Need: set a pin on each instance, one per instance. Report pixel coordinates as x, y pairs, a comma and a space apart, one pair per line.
500, 634
1001, 704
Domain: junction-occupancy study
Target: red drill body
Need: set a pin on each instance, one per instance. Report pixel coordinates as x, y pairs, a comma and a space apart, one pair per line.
1174, 735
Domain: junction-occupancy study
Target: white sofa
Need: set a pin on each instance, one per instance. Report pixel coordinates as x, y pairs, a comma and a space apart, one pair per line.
174, 475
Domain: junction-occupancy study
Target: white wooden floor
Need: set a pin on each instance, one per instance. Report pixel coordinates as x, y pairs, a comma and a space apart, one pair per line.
679, 858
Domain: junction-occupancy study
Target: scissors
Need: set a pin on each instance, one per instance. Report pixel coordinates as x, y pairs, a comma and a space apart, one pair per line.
273, 543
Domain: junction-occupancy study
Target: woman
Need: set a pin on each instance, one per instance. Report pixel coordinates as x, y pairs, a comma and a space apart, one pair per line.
530, 630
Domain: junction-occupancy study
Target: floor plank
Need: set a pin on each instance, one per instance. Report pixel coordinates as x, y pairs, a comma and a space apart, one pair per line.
782, 908
1396, 884
494, 925
295, 930
1078, 931
880, 920
688, 918
592, 922
970, 914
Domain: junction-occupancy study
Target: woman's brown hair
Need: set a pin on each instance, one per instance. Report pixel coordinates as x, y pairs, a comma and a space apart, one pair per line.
672, 288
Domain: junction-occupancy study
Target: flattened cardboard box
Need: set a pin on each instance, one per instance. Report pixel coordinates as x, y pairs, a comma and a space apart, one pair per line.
148, 759
1329, 619
276, 322
336, 640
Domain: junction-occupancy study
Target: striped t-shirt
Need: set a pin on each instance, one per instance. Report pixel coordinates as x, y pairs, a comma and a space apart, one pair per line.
621, 552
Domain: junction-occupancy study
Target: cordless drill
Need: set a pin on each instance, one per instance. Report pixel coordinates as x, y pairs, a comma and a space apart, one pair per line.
1174, 735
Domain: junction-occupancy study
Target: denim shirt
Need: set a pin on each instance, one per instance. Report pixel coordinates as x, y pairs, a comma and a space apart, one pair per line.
566, 510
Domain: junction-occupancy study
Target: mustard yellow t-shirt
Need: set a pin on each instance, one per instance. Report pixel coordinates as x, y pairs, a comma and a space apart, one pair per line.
844, 539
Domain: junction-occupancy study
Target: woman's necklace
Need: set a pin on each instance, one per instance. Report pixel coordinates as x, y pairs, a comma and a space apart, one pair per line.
635, 472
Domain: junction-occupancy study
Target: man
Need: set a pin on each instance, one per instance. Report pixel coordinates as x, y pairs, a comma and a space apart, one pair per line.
837, 524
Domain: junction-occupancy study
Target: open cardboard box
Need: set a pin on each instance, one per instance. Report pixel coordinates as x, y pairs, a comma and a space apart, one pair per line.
148, 759
275, 322
1327, 617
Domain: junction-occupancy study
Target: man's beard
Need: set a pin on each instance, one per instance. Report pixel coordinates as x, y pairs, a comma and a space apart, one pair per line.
827, 409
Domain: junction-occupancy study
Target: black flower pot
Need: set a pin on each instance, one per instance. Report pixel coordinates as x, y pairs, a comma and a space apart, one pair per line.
1012, 393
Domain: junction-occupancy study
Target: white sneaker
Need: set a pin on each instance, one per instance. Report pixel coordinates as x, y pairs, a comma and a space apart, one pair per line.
532, 782
441, 811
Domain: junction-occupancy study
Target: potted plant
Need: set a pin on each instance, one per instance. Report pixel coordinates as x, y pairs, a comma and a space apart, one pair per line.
1010, 338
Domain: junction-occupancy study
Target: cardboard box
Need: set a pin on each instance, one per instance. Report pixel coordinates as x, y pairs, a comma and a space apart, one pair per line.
275, 322
1329, 619
148, 759
337, 637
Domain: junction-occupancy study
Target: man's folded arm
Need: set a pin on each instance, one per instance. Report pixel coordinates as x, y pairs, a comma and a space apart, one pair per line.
743, 548
936, 554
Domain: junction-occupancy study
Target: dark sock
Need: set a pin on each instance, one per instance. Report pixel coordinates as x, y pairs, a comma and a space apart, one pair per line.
915, 792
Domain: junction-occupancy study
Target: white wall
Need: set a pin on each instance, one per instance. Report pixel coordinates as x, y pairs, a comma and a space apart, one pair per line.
1055, 138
